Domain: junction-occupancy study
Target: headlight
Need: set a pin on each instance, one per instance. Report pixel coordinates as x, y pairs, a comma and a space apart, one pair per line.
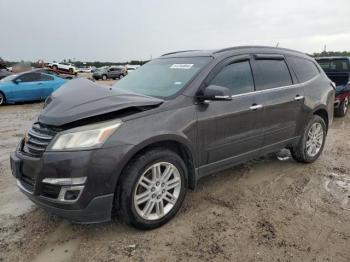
83, 137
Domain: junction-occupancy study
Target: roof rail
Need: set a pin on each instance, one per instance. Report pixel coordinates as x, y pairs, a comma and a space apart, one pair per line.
240, 47
171, 53
267, 47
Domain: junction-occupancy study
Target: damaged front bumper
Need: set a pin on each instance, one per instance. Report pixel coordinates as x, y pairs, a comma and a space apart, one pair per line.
77, 185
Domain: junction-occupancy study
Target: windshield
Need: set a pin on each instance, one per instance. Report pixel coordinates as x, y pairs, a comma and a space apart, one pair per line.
162, 77
334, 65
8, 78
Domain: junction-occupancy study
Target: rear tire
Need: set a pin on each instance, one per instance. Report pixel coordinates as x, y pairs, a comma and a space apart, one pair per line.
104, 77
312, 142
343, 108
54, 67
2, 99
152, 189
71, 70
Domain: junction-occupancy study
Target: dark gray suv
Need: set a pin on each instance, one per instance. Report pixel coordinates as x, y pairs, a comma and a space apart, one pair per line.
136, 147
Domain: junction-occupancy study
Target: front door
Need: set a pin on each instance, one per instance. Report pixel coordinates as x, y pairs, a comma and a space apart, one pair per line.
28, 87
230, 131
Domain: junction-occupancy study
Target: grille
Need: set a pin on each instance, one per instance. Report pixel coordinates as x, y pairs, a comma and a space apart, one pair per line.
38, 138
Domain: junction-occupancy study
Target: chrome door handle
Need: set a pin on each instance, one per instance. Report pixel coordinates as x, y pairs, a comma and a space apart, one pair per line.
297, 98
255, 107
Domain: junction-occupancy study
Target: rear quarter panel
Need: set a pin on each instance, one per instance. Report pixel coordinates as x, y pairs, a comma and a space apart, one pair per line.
319, 94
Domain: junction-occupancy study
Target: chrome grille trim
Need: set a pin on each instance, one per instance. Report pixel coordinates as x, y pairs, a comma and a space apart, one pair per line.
37, 140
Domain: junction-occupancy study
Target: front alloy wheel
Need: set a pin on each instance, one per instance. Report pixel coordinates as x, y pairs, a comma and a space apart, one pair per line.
157, 191
152, 189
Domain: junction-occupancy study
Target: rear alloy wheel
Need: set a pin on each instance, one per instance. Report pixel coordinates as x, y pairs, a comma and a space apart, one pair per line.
2, 99
153, 188
311, 143
343, 108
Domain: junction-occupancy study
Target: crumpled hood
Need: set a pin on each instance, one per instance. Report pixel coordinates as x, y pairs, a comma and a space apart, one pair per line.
81, 98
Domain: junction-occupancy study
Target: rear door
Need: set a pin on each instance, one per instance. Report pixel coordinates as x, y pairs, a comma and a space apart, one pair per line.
281, 98
48, 85
113, 72
229, 131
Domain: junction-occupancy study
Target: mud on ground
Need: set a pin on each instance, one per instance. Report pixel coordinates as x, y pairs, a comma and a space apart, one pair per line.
265, 210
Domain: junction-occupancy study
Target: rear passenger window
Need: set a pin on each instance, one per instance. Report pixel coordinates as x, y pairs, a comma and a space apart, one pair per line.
271, 74
304, 69
237, 77
44, 77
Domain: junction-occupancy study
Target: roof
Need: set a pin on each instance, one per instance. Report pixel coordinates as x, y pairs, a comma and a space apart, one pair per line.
237, 49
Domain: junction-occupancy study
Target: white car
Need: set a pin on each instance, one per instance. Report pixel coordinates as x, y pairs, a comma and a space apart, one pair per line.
64, 66
132, 68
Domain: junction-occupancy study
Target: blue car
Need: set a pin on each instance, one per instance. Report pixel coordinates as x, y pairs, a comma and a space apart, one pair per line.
28, 86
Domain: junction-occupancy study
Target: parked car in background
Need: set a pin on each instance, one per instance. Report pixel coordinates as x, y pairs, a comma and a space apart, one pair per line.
68, 67
28, 86
4, 71
132, 68
135, 148
112, 72
86, 69
338, 70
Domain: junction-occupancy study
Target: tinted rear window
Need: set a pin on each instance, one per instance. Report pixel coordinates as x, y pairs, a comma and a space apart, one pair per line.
334, 65
272, 74
304, 69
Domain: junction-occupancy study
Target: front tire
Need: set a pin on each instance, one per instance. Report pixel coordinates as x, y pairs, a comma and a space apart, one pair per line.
312, 142
2, 99
152, 189
343, 108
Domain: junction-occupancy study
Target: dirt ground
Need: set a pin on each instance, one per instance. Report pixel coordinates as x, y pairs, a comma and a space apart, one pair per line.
264, 210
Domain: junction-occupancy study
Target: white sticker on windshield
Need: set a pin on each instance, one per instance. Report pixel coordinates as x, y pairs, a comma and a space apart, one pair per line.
181, 66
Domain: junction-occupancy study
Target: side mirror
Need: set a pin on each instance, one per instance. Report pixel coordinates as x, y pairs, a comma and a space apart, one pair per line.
215, 93
17, 81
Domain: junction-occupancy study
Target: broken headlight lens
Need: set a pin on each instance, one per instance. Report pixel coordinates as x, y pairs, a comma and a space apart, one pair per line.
89, 136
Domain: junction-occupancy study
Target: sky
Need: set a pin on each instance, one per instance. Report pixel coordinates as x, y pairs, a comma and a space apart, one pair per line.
117, 31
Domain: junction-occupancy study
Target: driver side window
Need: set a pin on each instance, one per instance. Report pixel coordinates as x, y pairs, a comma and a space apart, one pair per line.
30, 77
237, 77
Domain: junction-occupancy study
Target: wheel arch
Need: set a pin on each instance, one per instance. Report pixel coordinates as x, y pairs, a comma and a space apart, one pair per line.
323, 113
175, 143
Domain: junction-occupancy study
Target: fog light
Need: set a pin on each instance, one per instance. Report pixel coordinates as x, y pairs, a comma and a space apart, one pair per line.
70, 194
